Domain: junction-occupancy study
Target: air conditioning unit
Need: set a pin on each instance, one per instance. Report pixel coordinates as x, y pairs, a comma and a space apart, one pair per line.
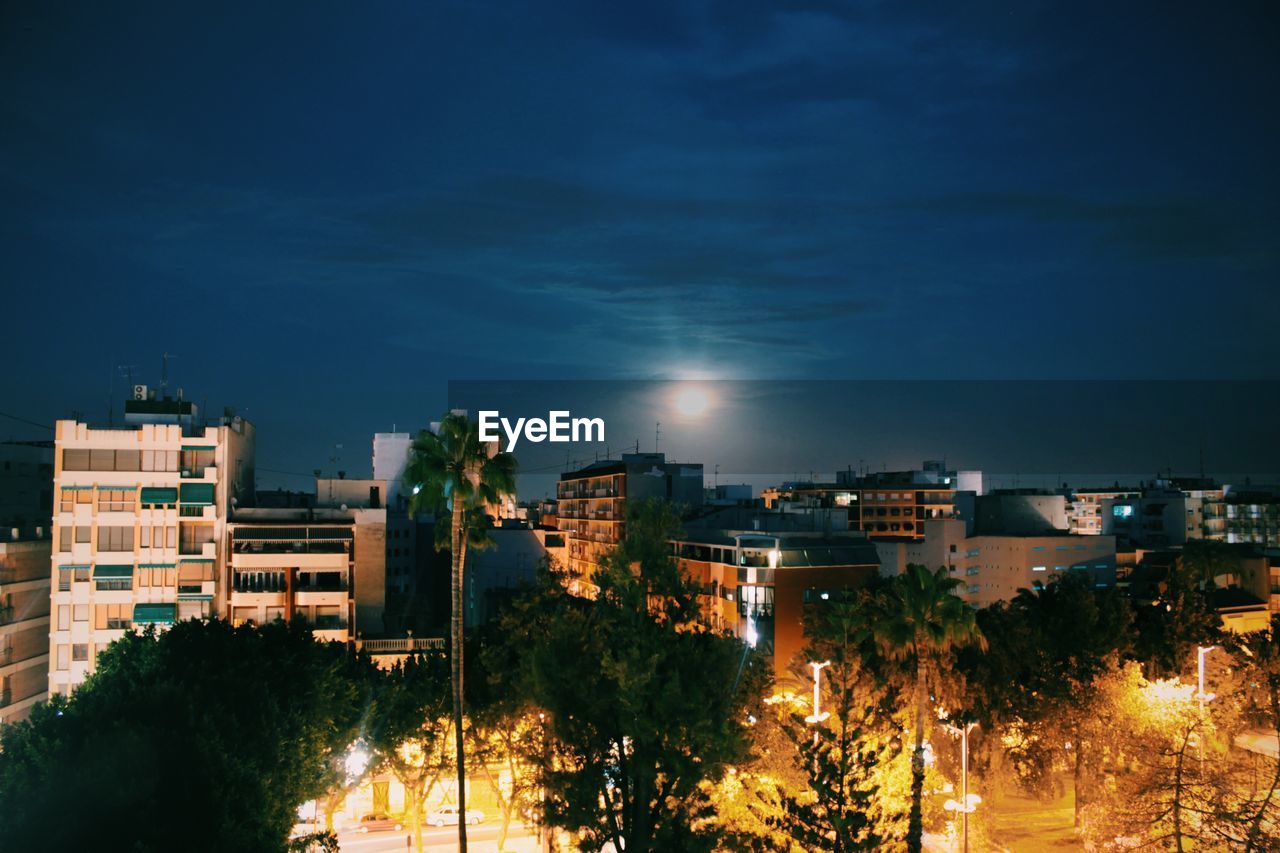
139, 392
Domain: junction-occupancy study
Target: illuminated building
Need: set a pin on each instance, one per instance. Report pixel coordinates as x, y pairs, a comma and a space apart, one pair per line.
592, 501
139, 524
759, 570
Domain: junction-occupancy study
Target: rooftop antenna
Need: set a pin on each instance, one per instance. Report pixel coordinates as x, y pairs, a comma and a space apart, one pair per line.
164, 373
717, 475
657, 434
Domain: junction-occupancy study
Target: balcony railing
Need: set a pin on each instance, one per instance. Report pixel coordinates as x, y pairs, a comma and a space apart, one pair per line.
403, 645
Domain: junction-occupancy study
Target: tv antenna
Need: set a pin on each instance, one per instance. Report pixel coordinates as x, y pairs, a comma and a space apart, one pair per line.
657, 434
164, 373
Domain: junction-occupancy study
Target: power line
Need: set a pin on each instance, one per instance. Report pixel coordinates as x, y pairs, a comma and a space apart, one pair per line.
25, 421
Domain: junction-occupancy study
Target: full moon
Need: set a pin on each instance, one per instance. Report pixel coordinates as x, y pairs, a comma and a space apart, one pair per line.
691, 401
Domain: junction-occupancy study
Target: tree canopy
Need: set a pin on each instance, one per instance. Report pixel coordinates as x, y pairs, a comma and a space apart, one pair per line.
206, 733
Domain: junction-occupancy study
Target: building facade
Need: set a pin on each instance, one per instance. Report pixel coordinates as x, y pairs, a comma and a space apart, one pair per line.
592, 502
994, 567
139, 526
24, 620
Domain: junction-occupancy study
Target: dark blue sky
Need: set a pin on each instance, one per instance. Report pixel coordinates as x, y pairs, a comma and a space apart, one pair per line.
325, 210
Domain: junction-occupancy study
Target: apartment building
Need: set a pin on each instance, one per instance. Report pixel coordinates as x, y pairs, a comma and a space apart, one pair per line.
139, 525
885, 504
323, 563
994, 566
26, 509
757, 579
24, 620
592, 501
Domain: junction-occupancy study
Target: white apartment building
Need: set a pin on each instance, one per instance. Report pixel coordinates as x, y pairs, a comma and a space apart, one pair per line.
993, 567
139, 523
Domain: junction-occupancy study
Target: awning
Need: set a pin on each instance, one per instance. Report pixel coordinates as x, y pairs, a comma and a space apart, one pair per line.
194, 596
155, 613
157, 565
197, 493
74, 566
77, 488
159, 495
101, 571
199, 447
193, 560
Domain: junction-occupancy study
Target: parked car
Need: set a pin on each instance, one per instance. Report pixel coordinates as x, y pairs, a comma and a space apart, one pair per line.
379, 822
448, 816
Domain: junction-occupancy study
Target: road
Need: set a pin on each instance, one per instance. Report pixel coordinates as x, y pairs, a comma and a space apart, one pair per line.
481, 839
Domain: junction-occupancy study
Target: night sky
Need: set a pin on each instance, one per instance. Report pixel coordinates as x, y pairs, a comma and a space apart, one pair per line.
325, 211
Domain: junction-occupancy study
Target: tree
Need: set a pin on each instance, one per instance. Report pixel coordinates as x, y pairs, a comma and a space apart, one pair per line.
844, 750
454, 472
409, 730
643, 703
922, 621
219, 734
1257, 660
504, 731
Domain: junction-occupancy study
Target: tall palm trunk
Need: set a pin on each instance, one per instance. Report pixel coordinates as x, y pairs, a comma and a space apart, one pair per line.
458, 553
915, 824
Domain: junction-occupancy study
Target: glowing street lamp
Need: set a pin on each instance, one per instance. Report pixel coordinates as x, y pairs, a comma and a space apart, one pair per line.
1201, 651
967, 802
817, 716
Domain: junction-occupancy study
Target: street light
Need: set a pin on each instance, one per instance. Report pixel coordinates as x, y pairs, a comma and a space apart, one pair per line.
817, 717
967, 802
1201, 652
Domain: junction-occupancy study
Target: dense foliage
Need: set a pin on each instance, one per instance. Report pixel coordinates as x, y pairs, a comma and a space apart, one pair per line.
209, 734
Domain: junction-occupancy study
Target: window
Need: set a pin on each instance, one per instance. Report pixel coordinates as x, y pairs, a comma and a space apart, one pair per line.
972, 570
102, 460
1039, 568
64, 657
83, 533
64, 581
112, 617
64, 539
80, 651
64, 617
159, 460
115, 538
973, 587
115, 500
75, 460
109, 584
67, 500
128, 460
81, 575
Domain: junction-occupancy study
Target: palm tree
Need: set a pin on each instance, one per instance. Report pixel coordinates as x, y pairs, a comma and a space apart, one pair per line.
454, 472
922, 621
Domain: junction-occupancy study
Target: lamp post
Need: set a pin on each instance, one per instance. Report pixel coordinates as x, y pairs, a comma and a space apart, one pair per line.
817, 717
1201, 652
968, 802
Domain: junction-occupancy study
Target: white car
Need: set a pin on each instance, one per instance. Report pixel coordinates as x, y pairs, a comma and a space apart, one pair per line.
448, 816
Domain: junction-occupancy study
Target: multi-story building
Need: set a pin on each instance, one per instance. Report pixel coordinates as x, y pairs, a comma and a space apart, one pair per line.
24, 620
26, 507
139, 525
592, 501
1247, 514
758, 581
26, 483
1085, 508
493, 574
390, 459
994, 566
323, 564
886, 504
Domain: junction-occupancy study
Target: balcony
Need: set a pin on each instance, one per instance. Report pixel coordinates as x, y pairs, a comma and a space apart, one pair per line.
402, 645
207, 474
207, 550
